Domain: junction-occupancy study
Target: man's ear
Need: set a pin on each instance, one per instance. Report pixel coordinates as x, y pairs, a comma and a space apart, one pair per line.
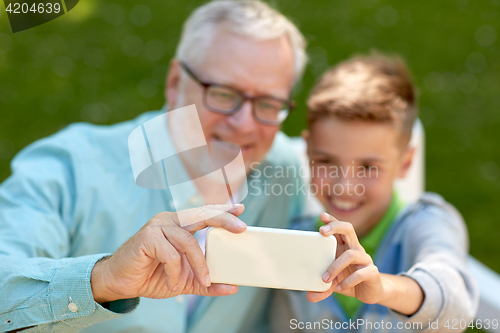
172, 83
406, 161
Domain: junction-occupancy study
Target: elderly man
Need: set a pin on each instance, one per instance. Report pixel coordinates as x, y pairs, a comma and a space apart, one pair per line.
71, 201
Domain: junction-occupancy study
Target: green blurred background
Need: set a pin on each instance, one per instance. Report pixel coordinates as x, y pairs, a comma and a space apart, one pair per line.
105, 62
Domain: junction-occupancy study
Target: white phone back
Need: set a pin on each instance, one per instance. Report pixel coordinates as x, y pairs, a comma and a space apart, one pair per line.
270, 258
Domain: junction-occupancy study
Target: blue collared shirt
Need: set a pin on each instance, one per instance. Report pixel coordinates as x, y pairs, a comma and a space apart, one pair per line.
72, 199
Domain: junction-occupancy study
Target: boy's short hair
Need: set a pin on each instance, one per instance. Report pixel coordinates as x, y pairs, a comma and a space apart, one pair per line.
374, 88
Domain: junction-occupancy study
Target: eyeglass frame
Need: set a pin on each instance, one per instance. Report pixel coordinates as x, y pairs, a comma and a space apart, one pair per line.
290, 104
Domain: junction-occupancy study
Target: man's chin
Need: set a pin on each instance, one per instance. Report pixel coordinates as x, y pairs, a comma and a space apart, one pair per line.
250, 166
252, 162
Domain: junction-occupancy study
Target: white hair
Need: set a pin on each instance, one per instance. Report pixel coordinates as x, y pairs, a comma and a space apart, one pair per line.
250, 18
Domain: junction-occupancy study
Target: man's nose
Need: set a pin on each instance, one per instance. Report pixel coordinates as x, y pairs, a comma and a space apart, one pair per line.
243, 119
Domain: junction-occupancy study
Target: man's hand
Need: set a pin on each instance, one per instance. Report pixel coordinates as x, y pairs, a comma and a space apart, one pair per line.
354, 274
164, 260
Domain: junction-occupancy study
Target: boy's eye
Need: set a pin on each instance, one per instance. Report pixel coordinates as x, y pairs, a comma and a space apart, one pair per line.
368, 166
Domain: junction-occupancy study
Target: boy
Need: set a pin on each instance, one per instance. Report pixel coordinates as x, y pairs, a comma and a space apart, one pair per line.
398, 267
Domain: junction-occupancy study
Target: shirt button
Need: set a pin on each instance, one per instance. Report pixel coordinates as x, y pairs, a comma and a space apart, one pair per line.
72, 307
179, 299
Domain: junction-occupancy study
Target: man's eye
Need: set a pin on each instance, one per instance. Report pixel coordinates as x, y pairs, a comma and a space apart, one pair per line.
223, 95
269, 106
266, 106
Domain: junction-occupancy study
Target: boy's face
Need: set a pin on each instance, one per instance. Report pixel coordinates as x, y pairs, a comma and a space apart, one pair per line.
353, 167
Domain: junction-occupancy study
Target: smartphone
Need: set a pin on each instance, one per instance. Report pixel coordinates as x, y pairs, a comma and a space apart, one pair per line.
270, 258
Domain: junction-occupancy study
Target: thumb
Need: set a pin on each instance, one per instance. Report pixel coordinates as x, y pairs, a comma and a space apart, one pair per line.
218, 289
326, 218
235, 209
221, 216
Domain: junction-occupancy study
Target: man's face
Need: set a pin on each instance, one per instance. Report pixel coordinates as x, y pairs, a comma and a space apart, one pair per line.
256, 68
354, 165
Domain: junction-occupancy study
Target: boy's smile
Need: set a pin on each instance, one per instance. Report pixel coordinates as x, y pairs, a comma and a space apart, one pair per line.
343, 205
353, 167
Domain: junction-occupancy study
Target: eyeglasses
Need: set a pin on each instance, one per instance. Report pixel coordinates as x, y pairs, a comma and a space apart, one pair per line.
226, 100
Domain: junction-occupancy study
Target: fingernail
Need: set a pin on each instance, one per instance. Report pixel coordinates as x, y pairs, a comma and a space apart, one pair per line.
339, 288
326, 228
175, 288
326, 276
207, 281
235, 206
241, 224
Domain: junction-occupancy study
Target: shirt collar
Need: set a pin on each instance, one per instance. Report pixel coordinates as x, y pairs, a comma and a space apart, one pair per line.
372, 240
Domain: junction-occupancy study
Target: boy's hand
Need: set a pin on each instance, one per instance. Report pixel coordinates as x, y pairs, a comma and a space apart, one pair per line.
353, 272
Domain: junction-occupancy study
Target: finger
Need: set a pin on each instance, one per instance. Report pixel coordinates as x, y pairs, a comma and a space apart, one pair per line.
204, 217
186, 273
315, 296
235, 209
171, 259
157, 247
218, 289
326, 218
346, 230
349, 257
363, 274
187, 244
